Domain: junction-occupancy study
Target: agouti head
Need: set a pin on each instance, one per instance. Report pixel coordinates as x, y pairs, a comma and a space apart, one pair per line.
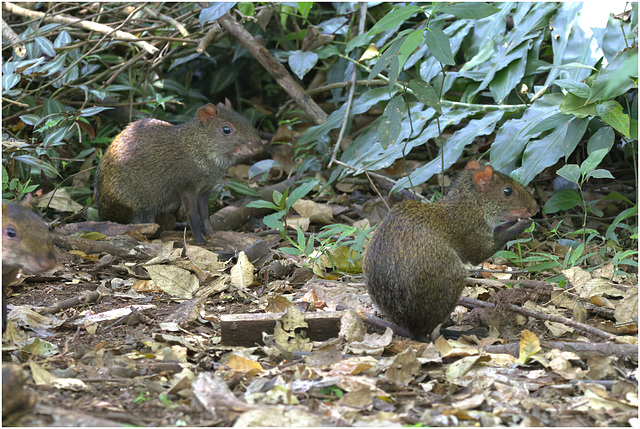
501, 197
26, 242
230, 133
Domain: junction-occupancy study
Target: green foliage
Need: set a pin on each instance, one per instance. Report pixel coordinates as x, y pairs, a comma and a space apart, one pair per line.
281, 205
332, 391
429, 59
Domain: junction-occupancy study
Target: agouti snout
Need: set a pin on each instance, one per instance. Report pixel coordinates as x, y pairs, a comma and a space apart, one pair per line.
152, 167
415, 262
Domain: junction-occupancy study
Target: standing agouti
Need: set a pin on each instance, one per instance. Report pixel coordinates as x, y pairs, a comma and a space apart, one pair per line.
153, 166
26, 244
415, 263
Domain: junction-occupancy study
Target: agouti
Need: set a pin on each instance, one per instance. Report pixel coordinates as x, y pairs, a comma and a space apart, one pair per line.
26, 245
415, 263
152, 167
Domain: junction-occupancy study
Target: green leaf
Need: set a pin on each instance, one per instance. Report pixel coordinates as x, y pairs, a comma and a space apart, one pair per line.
273, 220
241, 188
577, 106
247, 8
279, 199
305, 8
571, 172
579, 89
302, 62
55, 65
385, 59
549, 123
617, 78
600, 174
410, 44
506, 79
358, 41
92, 111
426, 94
563, 200
545, 152
394, 19
601, 139
301, 191
214, 12
593, 160
470, 10
38, 164
438, 44
55, 137
30, 119
630, 212
262, 204
453, 148
391, 125
611, 112
513, 136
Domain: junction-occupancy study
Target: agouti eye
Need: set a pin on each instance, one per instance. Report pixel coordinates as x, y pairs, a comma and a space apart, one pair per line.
226, 130
507, 191
10, 232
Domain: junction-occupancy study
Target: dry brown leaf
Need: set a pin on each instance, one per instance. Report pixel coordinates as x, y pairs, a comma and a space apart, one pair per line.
242, 272
529, 345
242, 364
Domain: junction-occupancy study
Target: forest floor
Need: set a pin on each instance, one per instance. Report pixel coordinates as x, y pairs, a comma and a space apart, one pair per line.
131, 331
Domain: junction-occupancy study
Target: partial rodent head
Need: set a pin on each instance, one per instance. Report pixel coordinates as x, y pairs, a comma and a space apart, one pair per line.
26, 242
229, 130
501, 197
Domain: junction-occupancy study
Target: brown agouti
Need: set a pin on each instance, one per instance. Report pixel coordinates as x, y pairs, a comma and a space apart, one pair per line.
153, 166
26, 245
414, 265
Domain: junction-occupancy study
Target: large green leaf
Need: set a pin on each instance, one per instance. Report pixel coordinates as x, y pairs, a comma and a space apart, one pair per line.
616, 78
545, 152
395, 18
506, 79
452, 150
470, 10
611, 112
438, 44
513, 135
563, 200
361, 104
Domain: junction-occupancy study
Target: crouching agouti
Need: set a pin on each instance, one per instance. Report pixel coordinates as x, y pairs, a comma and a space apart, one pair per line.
415, 263
152, 167
26, 245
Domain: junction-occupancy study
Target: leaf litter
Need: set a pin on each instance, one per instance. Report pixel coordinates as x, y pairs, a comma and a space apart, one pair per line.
148, 350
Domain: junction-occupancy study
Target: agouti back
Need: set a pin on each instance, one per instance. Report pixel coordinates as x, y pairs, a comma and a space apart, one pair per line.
152, 166
26, 245
415, 262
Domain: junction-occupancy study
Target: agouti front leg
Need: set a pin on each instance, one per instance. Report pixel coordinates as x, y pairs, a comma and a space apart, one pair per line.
203, 209
508, 230
190, 202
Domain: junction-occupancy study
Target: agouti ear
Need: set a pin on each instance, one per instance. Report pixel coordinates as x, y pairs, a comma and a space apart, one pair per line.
473, 165
227, 103
207, 113
482, 178
27, 202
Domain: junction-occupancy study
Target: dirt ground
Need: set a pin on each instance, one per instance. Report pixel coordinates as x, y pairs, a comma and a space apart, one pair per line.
163, 358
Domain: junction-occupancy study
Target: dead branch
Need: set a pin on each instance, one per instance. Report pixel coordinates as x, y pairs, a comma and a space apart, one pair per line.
473, 303
274, 68
87, 25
